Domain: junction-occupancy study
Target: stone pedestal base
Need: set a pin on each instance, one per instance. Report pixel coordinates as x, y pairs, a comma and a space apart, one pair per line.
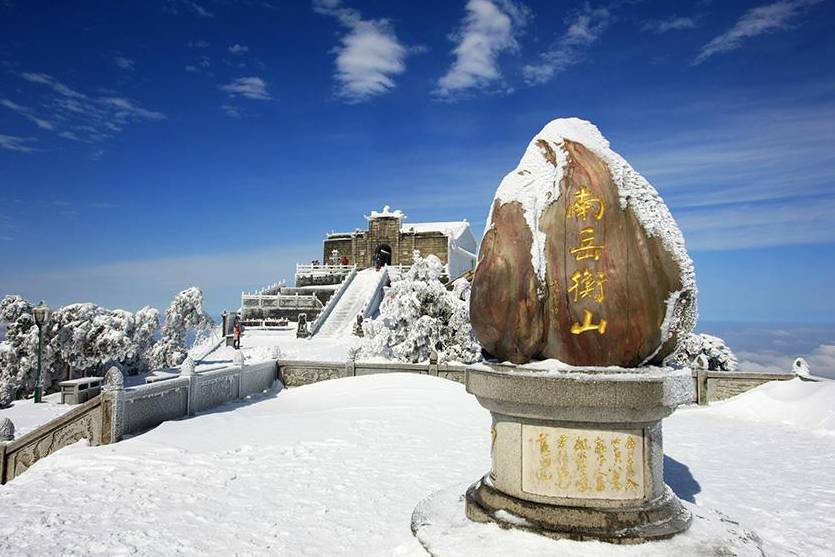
653, 520
577, 453
440, 525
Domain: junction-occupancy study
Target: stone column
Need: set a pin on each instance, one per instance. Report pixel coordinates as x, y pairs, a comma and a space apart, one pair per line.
578, 454
113, 406
187, 371
433, 363
6, 436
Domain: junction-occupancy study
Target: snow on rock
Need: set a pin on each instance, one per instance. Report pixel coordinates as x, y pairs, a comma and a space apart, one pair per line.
534, 184
576, 235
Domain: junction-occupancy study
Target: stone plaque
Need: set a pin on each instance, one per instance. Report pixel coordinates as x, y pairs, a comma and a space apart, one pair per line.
582, 463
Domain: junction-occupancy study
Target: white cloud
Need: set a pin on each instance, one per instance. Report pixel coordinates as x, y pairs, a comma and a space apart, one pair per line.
821, 361
198, 44
369, 55
488, 29
249, 87
805, 220
123, 62
173, 7
13, 143
26, 112
756, 21
128, 108
77, 116
238, 49
232, 111
135, 283
673, 23
49, 81
584, 29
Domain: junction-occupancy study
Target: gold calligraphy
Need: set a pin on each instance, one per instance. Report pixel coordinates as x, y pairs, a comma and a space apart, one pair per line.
587, 284
563, 462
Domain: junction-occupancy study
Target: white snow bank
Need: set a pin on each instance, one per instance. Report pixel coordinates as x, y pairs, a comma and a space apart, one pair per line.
808, 405
446, 531
27, 416
336, 468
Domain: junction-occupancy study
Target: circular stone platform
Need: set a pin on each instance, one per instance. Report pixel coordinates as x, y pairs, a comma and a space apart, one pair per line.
440, 524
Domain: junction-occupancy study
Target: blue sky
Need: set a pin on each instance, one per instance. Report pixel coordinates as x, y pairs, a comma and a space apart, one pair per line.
148, 146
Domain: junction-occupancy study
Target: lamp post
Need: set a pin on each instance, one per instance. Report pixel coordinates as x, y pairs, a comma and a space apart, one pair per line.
41, 314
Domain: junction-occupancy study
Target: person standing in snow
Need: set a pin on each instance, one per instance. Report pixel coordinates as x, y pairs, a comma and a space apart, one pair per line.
236, 335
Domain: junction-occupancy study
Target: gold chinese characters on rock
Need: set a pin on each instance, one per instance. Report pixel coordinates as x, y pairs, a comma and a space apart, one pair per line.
582, 463
587, 284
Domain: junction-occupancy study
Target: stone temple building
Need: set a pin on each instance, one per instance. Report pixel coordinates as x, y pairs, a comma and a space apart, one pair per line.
395, 241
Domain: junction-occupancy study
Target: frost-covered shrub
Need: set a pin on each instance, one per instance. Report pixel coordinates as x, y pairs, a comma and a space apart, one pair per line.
83, 338
719, 356
19, 351
89, 338
185, 312
418, 315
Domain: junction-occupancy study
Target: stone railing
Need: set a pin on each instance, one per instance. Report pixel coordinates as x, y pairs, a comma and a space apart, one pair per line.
709, 386
119, 411
320, 319
90, 420
373, 304
712, 386
295, 373
147, 406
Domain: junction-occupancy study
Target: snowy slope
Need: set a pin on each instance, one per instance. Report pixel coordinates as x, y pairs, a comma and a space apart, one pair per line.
336, 469
341, 320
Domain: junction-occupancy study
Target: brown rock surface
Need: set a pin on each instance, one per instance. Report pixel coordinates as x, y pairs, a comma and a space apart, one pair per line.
602, 295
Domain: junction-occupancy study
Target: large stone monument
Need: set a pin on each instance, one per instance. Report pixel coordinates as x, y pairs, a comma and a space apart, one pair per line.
582, 288
582, 263
581, 260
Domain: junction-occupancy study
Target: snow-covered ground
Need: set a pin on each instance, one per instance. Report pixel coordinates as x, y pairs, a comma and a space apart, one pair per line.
26, 415
259, 345
256, 346
336, 468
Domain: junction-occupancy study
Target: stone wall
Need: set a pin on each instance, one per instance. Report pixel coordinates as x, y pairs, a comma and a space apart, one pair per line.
430, 242
117, 412
147, 406
85, 421
360, 247
708, 387
712, 386
298, 373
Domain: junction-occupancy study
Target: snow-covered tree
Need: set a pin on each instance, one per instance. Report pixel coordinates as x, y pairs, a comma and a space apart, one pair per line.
419, 315
84, 338
19, 351
89, 338
719, 356
185, 312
